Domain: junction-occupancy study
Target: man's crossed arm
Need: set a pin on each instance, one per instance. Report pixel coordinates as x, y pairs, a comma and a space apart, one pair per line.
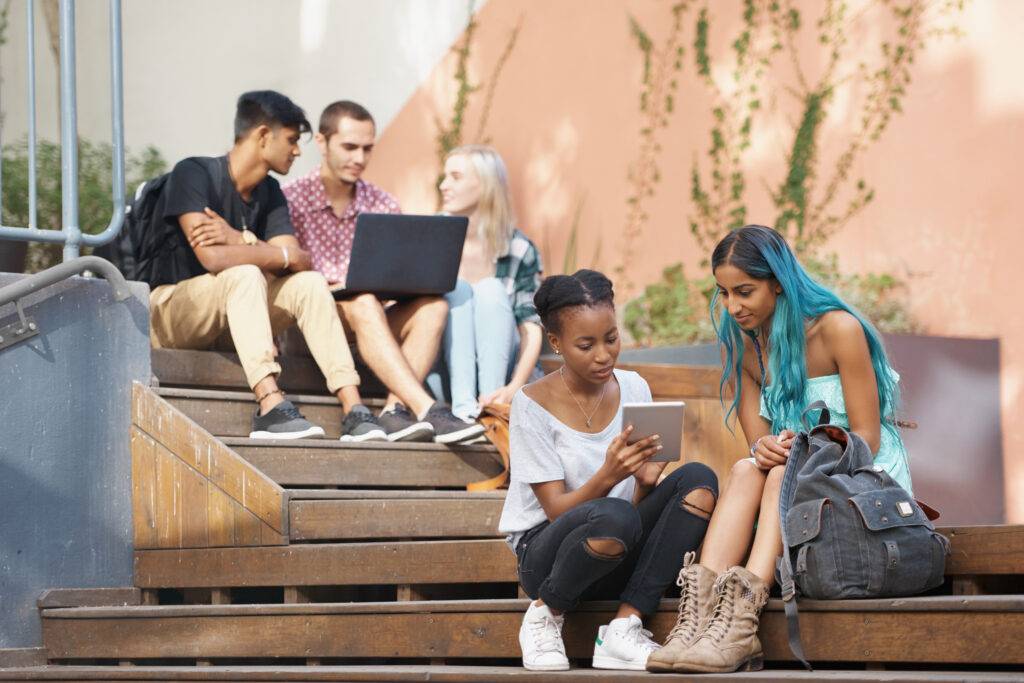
218, 246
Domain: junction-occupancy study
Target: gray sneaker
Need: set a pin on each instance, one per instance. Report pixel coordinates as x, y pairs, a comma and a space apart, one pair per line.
401, 425
361, 425
450, 429
283, 421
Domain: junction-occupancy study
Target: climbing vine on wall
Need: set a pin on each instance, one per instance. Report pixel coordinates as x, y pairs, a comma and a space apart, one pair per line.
450, 134
770, 54
659, 85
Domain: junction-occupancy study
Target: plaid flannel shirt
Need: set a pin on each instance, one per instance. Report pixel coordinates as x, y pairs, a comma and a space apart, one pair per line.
520, 271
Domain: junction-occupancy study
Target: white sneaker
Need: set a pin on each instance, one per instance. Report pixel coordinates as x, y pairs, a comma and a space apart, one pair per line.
540, 638
623, 644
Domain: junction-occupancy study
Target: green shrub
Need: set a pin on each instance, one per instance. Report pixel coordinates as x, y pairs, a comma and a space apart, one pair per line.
94, 189
675, 310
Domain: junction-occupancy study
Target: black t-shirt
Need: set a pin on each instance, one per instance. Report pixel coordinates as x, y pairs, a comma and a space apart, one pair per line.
200, 182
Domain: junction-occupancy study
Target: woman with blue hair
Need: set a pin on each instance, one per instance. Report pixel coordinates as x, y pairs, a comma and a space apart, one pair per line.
786, 342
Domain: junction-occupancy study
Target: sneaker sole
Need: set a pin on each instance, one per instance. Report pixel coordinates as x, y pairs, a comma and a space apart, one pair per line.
546, 667
375, 435
466, 434
288, 436
602, 662
421, 431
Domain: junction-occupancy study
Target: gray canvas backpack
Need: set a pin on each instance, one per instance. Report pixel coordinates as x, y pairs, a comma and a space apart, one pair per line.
848, 529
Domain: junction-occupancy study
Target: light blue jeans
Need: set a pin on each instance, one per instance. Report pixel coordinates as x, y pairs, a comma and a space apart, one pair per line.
480, 345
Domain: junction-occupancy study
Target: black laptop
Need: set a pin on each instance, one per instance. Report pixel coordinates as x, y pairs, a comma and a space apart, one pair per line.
399, 256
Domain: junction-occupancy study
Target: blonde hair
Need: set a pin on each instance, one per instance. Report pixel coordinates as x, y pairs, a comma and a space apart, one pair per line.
497, 222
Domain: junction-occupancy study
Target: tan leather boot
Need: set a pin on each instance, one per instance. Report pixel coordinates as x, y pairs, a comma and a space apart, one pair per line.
730, 641
696, 601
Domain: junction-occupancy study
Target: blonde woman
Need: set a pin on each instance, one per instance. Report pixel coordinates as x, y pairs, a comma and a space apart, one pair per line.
493, 338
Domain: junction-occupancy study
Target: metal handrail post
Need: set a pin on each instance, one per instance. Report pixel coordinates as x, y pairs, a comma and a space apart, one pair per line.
32, 200
71, 234
116, 132
68, 133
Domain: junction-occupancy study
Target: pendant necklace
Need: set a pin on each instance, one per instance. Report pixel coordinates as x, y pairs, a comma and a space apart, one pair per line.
579, 405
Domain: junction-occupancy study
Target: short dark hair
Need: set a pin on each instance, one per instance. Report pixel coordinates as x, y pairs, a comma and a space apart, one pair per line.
582, 288
268, 108
342, 109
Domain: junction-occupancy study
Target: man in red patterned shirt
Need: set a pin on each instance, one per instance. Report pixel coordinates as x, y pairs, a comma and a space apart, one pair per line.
400, 342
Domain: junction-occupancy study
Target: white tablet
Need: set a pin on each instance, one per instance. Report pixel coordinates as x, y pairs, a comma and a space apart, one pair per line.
664, 419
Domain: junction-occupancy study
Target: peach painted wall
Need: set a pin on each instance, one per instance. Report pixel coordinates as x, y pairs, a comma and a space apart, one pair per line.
566, 119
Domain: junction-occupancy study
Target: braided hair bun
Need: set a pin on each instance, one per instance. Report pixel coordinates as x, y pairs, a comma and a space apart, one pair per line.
582, 288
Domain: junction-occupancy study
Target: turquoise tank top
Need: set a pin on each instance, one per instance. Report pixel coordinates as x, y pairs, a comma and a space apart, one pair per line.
892, 455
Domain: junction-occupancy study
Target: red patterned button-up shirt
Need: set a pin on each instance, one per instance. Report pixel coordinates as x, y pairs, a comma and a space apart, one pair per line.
320, 231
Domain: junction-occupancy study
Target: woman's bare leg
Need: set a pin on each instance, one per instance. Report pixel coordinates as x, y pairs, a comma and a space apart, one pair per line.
732, 524
768, 540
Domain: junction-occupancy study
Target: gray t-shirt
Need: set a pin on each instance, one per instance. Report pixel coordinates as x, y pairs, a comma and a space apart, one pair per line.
544, 449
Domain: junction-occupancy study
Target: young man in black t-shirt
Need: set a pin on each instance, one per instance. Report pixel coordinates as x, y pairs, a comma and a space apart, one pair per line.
231, 270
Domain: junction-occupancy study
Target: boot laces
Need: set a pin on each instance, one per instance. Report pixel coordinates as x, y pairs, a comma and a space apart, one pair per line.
686, 622
547, 635
721, 618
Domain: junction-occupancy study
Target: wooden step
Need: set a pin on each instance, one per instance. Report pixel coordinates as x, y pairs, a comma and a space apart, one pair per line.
323, 462
220, 370
328, 564
467, 674
455, 561
229, 413
979, 630
317, 515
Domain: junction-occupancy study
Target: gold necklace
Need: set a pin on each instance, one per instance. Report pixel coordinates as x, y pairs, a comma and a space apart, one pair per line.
579, 405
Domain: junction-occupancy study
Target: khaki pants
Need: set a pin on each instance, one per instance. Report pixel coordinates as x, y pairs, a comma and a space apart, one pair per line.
241, 305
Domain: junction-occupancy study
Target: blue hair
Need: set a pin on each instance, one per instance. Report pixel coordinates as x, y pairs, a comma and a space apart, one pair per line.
762, 253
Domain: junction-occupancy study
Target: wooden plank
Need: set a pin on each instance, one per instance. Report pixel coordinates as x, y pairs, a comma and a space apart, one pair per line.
320, 463
196, 447
363, 519
299, 374
144, 492
229, 413
960, 630
247, 526
194, 504
472, 674
220, 369
668, 381
11, 657
375, 494
168, 499
220, 518
341, 564
981, 550
88, 597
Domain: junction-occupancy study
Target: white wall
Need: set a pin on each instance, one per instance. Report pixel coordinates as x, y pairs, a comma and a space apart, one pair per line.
186, 62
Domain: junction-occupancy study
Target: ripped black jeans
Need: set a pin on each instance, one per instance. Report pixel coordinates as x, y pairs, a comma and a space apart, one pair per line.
556, 565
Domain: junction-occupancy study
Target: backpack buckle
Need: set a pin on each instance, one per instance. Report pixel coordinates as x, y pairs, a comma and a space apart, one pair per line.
788, 589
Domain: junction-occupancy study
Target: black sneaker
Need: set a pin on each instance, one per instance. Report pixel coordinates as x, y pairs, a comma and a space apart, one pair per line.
283, 421
402, 425
450, 429
361, 425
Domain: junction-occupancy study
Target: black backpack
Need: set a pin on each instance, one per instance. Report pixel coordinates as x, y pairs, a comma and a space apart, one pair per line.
138, 240
144, 233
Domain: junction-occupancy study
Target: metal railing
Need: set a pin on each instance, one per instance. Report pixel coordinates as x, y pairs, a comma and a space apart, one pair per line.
71, 235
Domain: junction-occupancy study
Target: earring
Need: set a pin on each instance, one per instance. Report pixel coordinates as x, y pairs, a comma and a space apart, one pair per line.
557, 352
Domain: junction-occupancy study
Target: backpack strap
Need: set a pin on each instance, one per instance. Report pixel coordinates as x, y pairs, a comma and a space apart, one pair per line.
824, 418
798, 457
